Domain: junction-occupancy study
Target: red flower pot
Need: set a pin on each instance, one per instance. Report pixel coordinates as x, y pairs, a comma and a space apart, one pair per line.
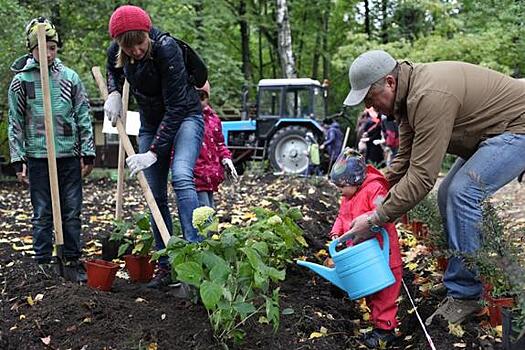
417, 228
100, 273
140, 269
442, 263
495, 305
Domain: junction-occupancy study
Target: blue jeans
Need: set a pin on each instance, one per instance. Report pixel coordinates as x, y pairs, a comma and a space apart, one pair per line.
70, 190
206, 199
497, 161
186, 148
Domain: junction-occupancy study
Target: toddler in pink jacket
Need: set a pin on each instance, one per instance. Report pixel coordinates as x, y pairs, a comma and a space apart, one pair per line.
214, 156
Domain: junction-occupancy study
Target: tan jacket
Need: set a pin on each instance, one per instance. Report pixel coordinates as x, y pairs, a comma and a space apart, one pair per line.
445, 107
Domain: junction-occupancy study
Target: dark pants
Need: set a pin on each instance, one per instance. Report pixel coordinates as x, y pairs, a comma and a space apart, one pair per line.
70, 189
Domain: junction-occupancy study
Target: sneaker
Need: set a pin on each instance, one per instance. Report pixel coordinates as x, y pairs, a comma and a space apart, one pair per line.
454, 310
162, 279
379, 338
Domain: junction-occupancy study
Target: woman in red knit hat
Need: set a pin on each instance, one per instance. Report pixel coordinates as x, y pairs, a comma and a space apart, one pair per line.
170, 115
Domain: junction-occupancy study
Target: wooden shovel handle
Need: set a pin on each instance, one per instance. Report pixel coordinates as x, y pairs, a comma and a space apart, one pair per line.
50, 135
121, 155
155, 212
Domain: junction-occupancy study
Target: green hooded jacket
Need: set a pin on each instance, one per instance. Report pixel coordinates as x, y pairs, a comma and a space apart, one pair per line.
71, 116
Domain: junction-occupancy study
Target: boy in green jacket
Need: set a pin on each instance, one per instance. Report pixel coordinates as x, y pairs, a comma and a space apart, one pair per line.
74, 145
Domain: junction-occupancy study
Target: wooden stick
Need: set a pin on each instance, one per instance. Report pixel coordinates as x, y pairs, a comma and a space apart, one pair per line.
155, 212
347, 133
121, 155
50, 134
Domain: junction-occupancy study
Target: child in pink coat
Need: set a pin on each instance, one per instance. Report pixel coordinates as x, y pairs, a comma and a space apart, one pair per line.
214, 156
362, 187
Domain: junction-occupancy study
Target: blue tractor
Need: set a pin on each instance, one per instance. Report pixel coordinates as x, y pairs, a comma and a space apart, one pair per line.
286, 110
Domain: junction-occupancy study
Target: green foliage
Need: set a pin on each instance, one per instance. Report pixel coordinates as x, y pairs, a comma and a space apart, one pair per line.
12, 42
137, 235
427, 211
236, 269
497, 261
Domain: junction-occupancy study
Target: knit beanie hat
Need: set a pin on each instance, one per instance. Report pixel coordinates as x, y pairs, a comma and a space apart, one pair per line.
127, 18
31, 32
349, 169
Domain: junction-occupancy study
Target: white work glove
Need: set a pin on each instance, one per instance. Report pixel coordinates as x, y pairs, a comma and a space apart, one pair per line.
140, 161
378, 142
113, 107
227, 162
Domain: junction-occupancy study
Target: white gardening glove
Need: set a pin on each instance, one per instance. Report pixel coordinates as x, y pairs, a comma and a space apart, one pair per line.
227, 162
113, 107
140, 161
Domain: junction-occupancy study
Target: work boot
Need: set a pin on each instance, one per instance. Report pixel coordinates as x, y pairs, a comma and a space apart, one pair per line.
379, 338
162, 279
75, 271
454, 310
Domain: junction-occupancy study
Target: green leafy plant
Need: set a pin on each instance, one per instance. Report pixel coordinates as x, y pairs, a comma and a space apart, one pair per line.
236, 270
135, 235
427, 211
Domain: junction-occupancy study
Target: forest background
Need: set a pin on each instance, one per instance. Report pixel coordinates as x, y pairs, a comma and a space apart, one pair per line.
243, 41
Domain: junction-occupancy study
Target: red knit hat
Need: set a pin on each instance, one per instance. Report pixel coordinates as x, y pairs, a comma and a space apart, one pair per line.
127, 18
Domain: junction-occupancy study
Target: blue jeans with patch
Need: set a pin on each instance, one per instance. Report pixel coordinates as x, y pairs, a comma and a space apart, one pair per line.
70, 191
186, 148
497, 161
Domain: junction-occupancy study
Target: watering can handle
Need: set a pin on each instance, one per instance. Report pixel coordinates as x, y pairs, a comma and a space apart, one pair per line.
386, 243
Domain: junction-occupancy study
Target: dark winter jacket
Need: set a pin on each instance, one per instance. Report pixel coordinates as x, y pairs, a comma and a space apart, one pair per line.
160, 86
334, 141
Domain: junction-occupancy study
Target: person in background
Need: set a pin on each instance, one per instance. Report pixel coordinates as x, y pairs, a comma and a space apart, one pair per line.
363, 187
75, 147
170, 116
214, 156
314, 158
391, 137
372, 137
333, 140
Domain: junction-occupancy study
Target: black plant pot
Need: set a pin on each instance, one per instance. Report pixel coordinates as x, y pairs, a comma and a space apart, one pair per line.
110, 249
509, 334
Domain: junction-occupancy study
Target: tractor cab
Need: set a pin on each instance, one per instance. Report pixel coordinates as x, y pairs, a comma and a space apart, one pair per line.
286, 110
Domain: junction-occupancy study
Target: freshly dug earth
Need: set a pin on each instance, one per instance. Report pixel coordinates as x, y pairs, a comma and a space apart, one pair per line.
39, 313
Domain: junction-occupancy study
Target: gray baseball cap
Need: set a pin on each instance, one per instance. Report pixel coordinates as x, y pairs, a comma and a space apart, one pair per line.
366, 69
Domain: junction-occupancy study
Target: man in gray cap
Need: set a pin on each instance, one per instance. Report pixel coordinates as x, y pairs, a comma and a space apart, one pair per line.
472, 112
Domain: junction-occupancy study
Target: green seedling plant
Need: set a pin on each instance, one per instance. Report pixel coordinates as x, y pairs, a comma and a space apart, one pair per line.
236, 270
136, 235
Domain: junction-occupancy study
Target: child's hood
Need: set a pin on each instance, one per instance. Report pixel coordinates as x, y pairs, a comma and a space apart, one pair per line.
28, 62
373, 175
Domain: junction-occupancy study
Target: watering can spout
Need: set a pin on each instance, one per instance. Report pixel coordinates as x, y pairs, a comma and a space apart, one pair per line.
325, 272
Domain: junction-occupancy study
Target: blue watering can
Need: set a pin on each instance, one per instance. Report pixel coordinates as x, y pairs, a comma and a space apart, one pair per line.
359, 270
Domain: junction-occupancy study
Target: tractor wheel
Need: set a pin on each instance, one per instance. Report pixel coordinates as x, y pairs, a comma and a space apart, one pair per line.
288, 150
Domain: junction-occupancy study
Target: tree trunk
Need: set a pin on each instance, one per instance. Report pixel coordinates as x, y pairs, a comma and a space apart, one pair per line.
301, 42
199, 7
245, 42
326, 54
368, 30
285, 40
384, 29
